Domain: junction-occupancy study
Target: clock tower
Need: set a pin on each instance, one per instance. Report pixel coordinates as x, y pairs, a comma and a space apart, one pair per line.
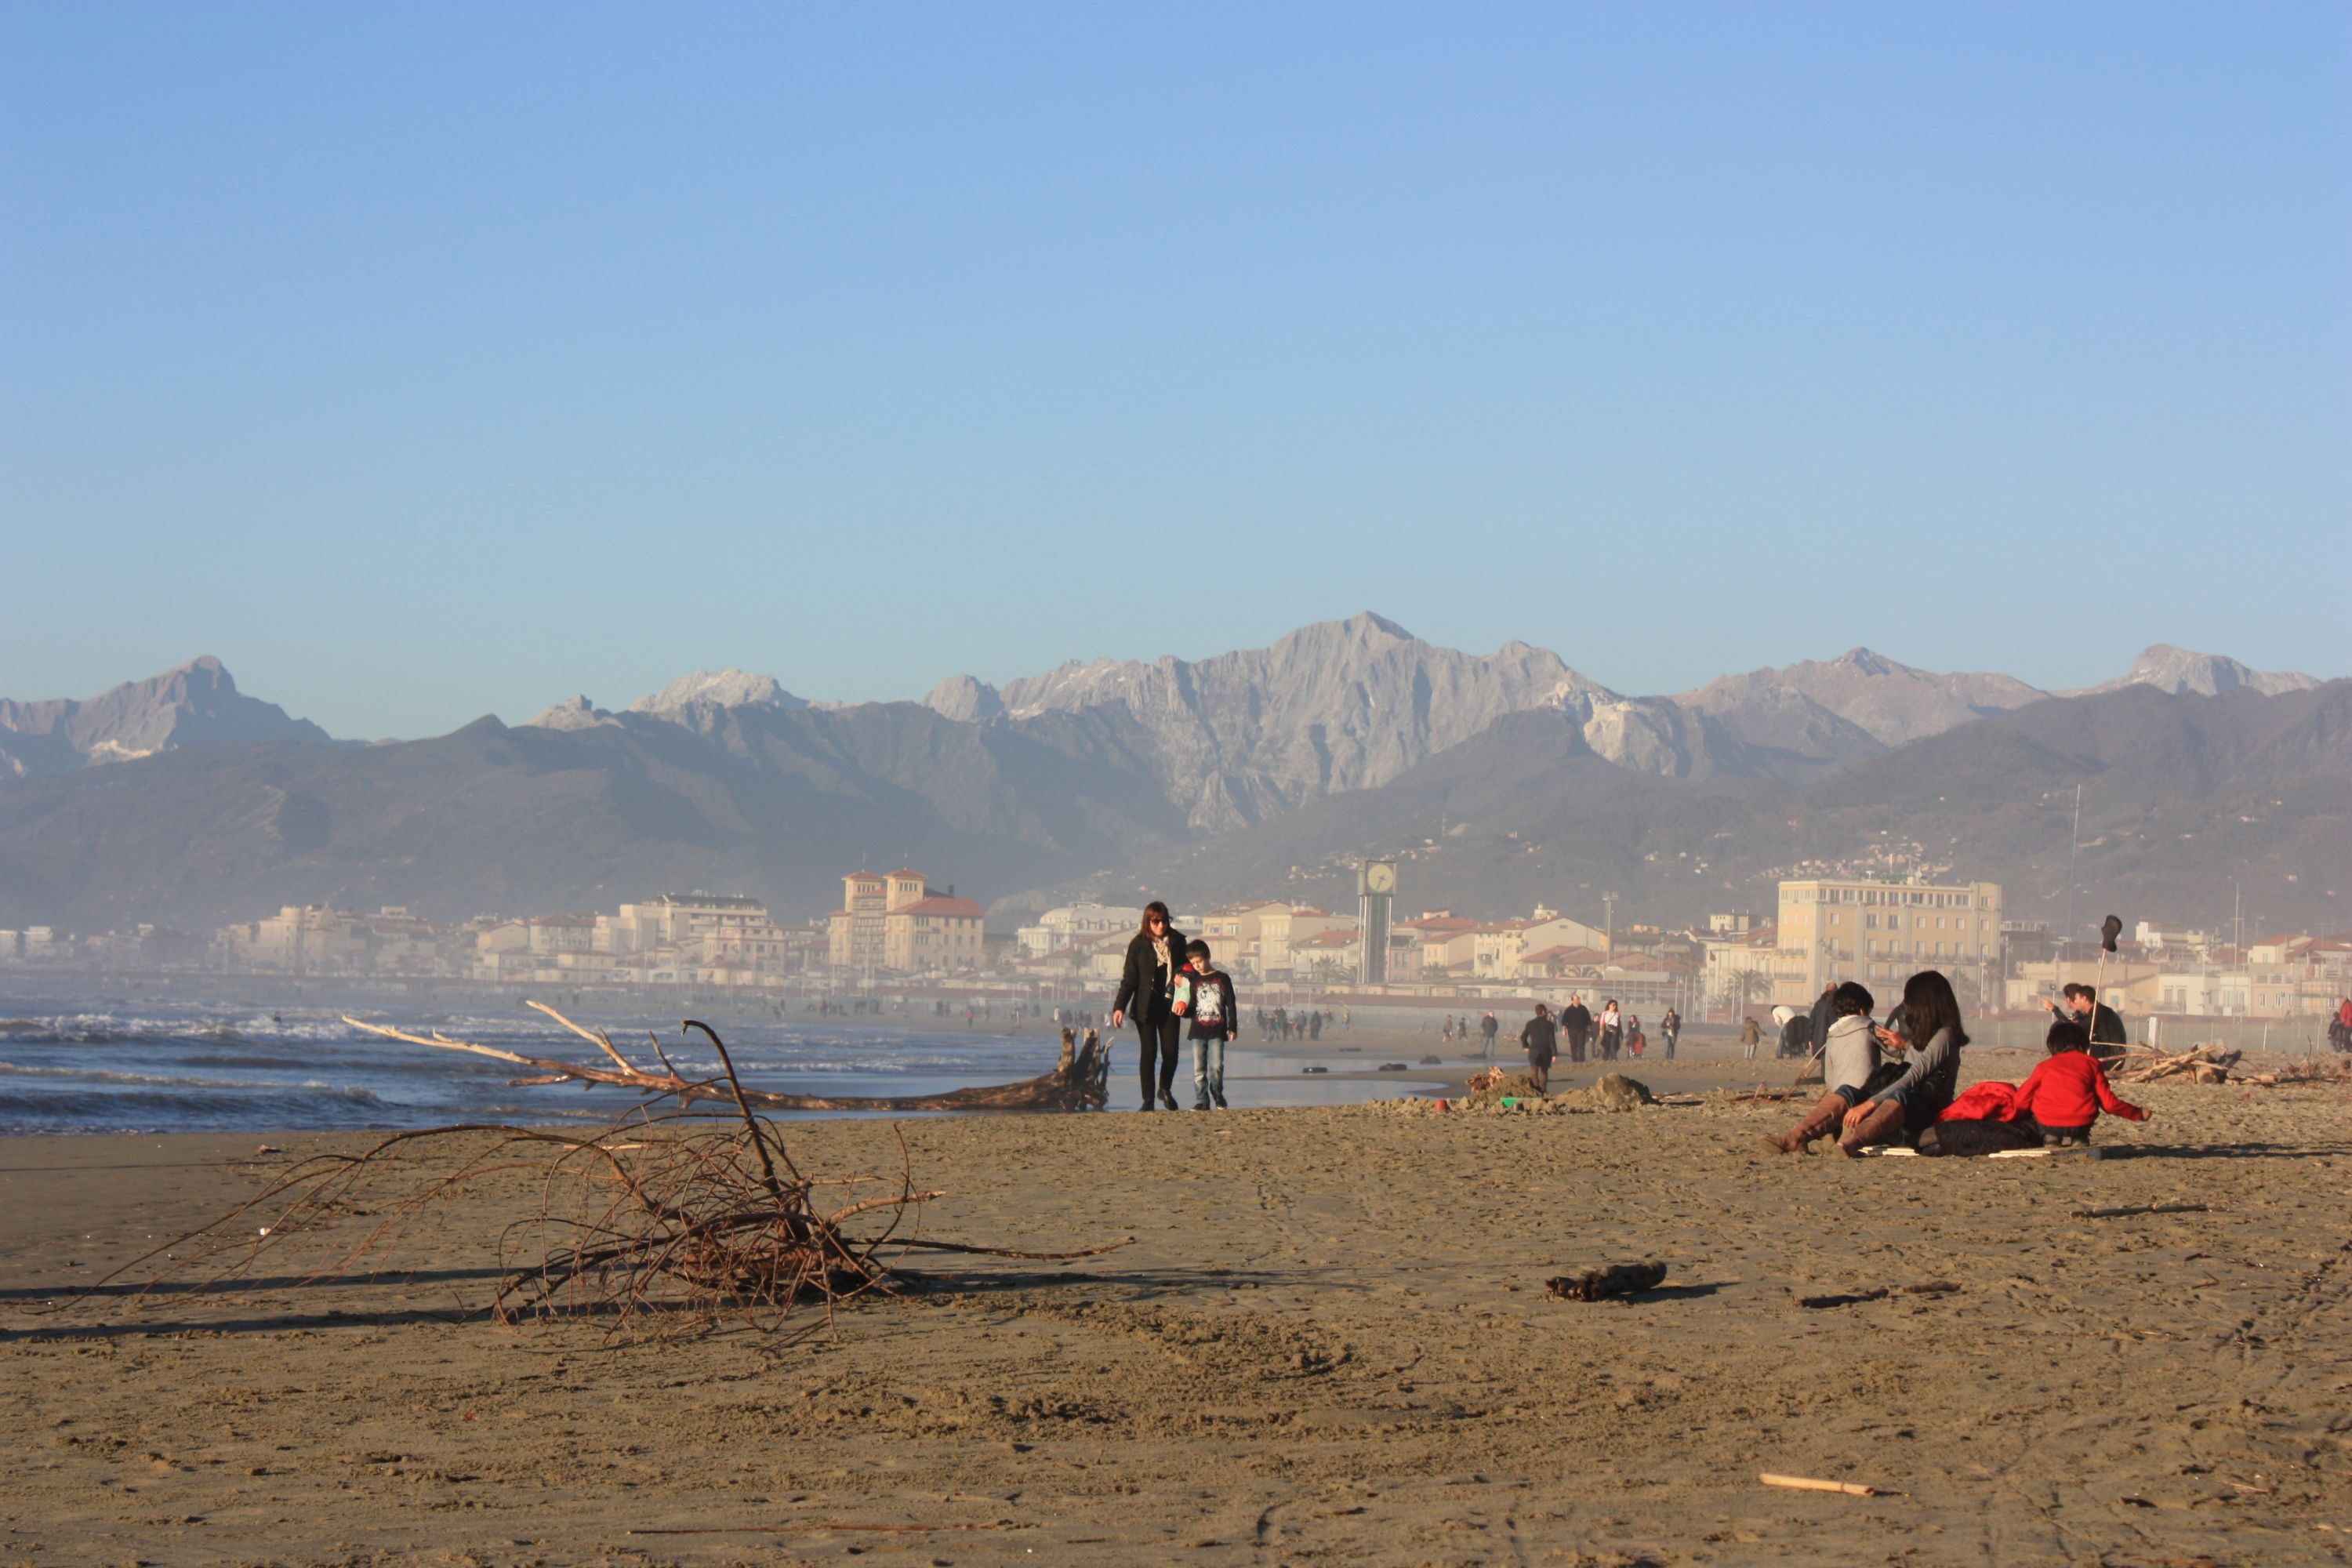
1375, 894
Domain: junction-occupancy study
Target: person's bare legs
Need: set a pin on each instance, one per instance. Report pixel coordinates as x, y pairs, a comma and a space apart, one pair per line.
1882, 1124
1819, 1122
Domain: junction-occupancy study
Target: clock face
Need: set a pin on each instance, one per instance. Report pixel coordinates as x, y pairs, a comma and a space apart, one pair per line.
1380, 879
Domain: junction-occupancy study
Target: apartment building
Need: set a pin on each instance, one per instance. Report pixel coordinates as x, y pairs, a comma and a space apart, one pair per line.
895, 921
1881, 933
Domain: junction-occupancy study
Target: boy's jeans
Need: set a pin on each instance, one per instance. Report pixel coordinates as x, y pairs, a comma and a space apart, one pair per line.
1208, 1071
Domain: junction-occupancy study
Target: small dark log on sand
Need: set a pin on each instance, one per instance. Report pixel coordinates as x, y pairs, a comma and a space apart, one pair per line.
1617, 1279
1079, 1081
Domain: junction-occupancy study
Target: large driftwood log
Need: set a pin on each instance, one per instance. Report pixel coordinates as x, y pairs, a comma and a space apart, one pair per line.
1080, 1080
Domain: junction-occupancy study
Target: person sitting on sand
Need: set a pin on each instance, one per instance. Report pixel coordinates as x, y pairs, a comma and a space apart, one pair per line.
1848, 1063
2065, 1094
1910, 1105
1541, 1041
2103, 1024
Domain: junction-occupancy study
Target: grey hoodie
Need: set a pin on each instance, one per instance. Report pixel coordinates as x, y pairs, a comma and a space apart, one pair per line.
1851, 1054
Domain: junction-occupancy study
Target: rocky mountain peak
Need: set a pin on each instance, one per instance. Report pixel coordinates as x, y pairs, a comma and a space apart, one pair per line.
2182, 672
575, 713
194, 704
729, 687
965, 699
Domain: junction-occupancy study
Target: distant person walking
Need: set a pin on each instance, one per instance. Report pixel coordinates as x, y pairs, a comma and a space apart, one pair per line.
1612, 1030
1540, 1040
1146, 989
1488, 1029
1670, 1029
1751, 1034
1576, 1021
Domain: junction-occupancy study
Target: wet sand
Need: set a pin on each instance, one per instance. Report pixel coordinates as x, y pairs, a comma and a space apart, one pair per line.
1329, 1341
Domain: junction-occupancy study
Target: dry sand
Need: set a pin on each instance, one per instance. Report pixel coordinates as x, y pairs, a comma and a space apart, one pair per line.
1329, 1343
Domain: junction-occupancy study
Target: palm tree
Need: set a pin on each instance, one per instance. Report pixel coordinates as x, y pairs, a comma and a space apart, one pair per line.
1746, 988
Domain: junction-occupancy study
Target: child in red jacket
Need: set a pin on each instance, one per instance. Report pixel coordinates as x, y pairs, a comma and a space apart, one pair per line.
2068, 1091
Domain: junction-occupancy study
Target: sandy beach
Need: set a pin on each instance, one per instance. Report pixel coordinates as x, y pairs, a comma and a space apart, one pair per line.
1328, 1341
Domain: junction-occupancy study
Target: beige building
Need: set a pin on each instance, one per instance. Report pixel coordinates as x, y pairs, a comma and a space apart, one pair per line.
935, 932
1283, 928
894, 921
698, 928
1882, 933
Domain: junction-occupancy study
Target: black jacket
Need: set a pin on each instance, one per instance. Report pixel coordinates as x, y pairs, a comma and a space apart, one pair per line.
1824, 1015
1577, 1020
1540, 1038
1143, 990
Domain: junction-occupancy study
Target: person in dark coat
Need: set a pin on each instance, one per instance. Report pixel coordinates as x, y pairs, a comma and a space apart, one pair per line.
1541, 1042
1147, 992
1576, 1023
1824, 1014
2102, 1022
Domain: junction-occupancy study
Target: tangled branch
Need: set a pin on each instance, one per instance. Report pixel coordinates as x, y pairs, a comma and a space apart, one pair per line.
658, 1224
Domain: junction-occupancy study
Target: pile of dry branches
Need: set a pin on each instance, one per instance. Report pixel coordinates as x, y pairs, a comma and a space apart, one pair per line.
2199, 1064
658, 1224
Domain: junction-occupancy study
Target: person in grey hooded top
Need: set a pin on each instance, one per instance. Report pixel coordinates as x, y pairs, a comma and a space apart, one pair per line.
1910, 1105
1848, 1063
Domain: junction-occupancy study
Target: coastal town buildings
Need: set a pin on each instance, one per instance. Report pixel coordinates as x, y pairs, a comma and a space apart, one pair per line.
896, 929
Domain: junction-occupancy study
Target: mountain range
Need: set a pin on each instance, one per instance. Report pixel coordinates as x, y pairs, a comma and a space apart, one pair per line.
1502, 778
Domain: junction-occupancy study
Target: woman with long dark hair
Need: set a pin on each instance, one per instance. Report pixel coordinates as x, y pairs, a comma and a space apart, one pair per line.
1147, 990
1910, 1105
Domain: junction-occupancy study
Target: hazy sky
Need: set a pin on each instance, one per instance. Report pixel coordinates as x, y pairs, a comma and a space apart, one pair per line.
423, 361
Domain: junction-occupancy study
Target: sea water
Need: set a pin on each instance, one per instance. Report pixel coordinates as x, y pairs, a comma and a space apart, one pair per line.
239, 1061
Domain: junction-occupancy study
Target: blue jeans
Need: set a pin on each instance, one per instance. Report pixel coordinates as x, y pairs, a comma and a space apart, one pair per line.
1208, 1071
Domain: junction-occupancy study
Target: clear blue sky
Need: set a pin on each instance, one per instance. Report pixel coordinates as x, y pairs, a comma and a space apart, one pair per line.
428, 361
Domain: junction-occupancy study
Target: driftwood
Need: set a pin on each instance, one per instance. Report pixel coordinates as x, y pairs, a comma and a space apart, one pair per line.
2301, 1072
655, 1225
2124, 1210
1807, 1484
1080, 1080
2199, 1064
1617, 1279
1855, 1298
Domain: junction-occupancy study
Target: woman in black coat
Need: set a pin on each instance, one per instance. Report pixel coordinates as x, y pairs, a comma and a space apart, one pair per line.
1146, 989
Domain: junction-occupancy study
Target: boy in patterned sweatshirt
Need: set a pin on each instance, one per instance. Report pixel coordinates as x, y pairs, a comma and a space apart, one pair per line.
1204, 1000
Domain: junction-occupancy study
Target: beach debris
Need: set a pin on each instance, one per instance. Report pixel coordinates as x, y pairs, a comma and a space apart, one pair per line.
2123, 1210
1493, 1082
657, 1224
2300, 1072
1599, 1284
1808, 1484
1316, 1068
1391, 1066
1615, 1091
1855, 1298
1079, 1081
1433, 1061
2198, 1064
2079, 1152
